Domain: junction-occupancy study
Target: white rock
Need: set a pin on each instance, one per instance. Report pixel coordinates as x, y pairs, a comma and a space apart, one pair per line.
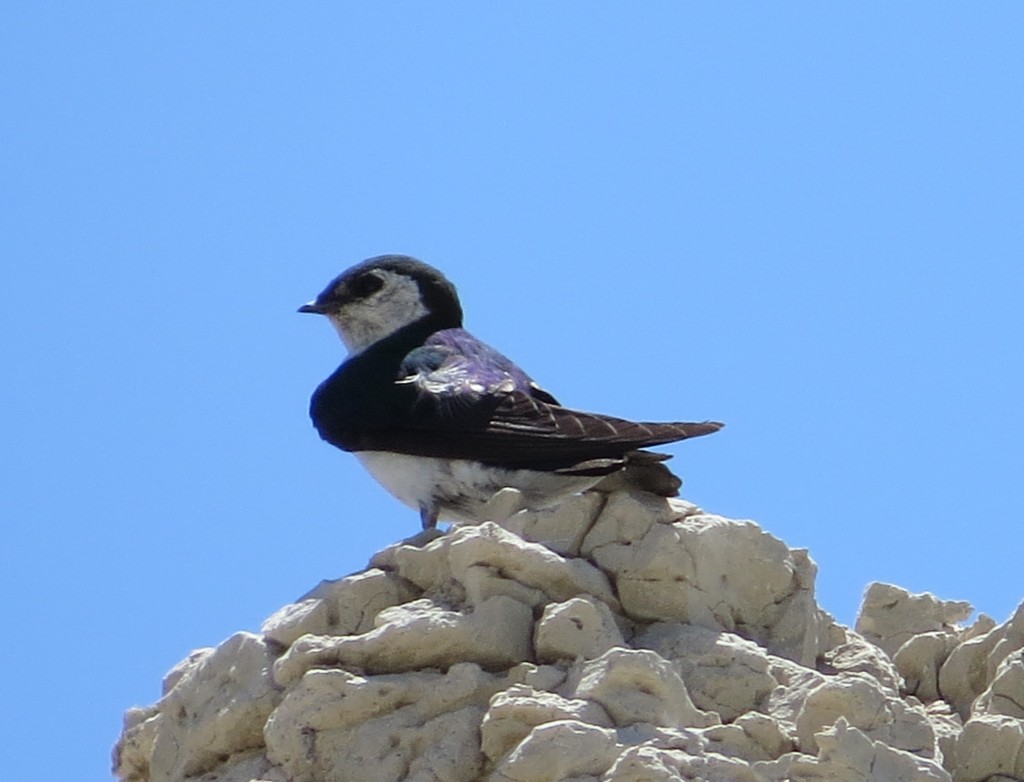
475, 563
990, 744
547, 678
354, 602
787, 700
1005, 695
135, 747
890, 615
420, 634
655, 561
857, 655
424, 566
981, 625
334, 725
719, 574
637, 686
692, 741
482, 582
965, 674
173, 676
751, 737
251, 766
528, 564
215, 710
846, 754
385, 559
505, 654
972, 665
863, 704
503, 505
514, 713
723, 672
655, 764
562, 527
947, 726
680, 508
297, 619
765, 733
920, 659
626, 517
558, 750
580, 628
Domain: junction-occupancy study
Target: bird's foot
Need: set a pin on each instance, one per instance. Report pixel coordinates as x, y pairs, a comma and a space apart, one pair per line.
428, 516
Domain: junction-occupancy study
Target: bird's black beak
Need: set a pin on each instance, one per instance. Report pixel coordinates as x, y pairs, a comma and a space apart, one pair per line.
313, 307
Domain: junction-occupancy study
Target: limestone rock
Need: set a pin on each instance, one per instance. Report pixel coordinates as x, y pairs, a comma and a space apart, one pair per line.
420, 634
786, 701
561, 528
251, 766
216, 708
890, 616
715, 573
1005, 695
856, 655
346, 606
135, 747
335, 725
723, 672
644, 763
865, 705
990, 744
176, 673
972, 665
920, 659
614, 638
514, 713
510, 558
947, 726
629, 517
558, 750
637, 685
290, 622
751, 737
578, 628
476, 562
846, 754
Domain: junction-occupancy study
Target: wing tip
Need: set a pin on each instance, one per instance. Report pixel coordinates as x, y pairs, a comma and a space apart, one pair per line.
690, 429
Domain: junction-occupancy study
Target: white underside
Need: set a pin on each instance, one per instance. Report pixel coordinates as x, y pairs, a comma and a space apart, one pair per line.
460, 489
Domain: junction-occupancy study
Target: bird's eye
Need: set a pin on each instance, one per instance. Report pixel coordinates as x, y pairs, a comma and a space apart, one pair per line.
366, 285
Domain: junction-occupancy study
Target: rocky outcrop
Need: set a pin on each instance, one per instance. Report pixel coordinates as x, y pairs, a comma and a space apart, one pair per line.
615, 638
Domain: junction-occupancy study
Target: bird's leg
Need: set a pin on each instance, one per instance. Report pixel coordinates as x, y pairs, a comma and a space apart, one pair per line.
428, 516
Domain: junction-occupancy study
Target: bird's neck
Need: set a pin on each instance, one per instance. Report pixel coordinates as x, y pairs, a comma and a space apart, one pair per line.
410, 336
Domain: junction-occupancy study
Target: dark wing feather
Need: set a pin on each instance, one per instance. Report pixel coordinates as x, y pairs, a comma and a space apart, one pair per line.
467, 419
457, 398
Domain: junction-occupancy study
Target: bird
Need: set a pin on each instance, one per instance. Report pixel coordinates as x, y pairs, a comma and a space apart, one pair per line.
443, 421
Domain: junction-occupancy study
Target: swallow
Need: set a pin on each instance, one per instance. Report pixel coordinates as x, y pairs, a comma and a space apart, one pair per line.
443, 421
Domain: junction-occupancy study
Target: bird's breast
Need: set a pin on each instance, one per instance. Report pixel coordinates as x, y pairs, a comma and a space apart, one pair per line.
460, 488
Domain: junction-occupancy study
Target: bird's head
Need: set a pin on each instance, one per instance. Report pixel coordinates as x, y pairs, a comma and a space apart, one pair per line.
377, 297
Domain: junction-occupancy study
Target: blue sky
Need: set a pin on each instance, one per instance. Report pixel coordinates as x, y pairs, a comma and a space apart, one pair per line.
801, 219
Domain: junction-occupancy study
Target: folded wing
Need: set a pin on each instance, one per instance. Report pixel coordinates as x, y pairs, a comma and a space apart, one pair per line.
454, 407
